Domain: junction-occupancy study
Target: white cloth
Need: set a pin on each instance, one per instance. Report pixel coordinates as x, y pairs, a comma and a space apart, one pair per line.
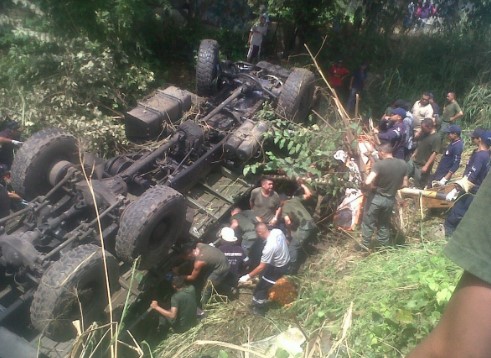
275, 251
258, 32
244, 278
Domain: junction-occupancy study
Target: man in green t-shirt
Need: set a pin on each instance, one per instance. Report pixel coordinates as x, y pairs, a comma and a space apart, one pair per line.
299, 224
244, 224
182, 313
210, 270
451, 111
421, 162
386, 177
265, 203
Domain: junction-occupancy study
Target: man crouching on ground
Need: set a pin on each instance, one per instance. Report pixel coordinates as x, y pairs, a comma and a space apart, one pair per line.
182, 314
274, 264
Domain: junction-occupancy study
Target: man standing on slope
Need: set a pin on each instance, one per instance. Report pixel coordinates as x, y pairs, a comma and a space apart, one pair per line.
475, 171
429, 142
256, 35
387, 176
450, 161
395, 135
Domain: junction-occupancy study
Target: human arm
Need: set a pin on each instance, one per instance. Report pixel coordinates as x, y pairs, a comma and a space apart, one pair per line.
457, 155
288, 224
252, 198
429, 162
4, 140
170, 314
477, 167
276, 217
390, 135
259, 268
234, 224
13, 195
405, 182
369, 181
465, 327
457, 116
458, 113
307, 193
198, 266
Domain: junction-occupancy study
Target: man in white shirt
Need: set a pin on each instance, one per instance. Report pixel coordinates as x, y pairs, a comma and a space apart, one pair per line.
421, 109
274, 264
256, 35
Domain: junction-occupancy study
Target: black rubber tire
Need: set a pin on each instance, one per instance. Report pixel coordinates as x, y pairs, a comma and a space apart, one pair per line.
150, 226
77, 278
296, 95
207, 68
34, 160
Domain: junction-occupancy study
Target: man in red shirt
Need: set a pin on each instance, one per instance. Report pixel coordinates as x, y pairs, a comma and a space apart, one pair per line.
336, 75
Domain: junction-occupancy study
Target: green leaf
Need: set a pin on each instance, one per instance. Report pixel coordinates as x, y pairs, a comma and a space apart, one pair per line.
290, 145
404, 316
281, 353
282, 143
222, 354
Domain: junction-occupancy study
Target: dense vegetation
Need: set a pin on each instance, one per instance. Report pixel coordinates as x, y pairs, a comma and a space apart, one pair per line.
79, 65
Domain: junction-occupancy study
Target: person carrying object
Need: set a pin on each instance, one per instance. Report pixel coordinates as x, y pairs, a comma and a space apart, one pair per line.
466, 188
274, 264
450, 161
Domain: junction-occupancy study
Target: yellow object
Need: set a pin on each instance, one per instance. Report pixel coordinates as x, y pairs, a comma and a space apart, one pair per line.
283, 292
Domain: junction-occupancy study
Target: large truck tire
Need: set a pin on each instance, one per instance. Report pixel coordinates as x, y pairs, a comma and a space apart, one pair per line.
207, 68
296, 96
34, 160
150, 226
74, 287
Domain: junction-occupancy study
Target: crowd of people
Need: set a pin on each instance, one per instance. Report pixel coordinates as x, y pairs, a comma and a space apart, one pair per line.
419, 13
419, 136
265, 240
262, 243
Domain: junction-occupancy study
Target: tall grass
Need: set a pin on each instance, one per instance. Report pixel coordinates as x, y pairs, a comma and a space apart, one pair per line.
404, 66
477, 105
397, 296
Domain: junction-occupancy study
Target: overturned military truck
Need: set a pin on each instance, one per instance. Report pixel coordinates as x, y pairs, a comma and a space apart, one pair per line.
85, 211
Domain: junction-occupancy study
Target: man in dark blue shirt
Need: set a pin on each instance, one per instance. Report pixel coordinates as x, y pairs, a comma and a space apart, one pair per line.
450, 161
357, 82
234, 253
474, 174
395, 135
